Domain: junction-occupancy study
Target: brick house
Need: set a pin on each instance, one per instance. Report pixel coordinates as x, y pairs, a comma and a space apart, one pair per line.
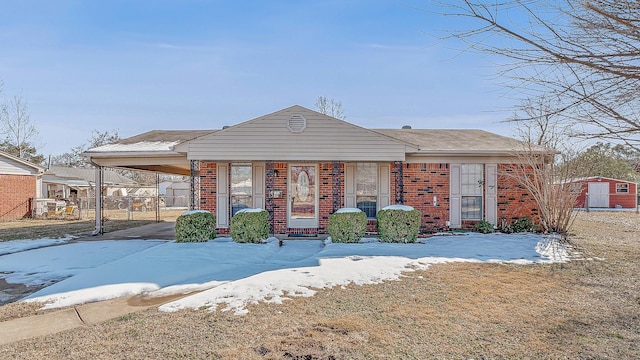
301, 166
20, 184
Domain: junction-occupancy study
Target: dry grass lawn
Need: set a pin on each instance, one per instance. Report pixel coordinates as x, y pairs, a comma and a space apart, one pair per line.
57, 228
579, 310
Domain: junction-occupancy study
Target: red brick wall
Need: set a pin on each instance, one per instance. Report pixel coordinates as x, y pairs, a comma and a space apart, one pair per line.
208, 184
15, 192
280, 204
514, 201
421, 183
325, 198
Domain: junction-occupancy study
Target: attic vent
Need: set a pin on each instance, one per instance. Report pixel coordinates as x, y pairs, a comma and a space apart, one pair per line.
406, 126
297, 123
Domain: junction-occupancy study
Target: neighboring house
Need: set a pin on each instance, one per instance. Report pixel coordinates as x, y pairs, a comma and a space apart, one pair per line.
68, 183
177, 194
602, 192
20, 184
301, 166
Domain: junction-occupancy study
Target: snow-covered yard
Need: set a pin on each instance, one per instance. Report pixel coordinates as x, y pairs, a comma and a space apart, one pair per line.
235, 274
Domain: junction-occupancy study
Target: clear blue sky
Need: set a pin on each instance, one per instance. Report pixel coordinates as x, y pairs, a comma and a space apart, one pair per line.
139, 65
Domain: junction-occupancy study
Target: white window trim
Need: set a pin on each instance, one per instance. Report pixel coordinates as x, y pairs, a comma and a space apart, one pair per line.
626, 187
383, 185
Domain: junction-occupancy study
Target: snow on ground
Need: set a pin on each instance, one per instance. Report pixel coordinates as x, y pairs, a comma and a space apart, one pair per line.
8, 247
238, 274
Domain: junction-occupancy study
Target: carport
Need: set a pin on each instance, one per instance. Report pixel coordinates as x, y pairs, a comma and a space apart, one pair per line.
150, 151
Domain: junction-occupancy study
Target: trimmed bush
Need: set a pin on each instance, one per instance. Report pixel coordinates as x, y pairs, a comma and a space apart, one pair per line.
347, 225
483, 227
195, 226
250, 226
398, 223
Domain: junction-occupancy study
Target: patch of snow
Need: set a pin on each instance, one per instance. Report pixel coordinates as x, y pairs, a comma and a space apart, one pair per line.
551, 248
232, 275
98, 293
14, 246
398, 207
141, 146
251, 210
297, 282
189, 212
348, 210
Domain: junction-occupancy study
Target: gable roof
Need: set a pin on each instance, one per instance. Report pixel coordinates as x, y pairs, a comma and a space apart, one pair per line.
300, 134
296, 134
17, 166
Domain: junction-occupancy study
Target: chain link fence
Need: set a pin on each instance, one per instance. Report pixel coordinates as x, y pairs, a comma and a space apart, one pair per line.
114, 208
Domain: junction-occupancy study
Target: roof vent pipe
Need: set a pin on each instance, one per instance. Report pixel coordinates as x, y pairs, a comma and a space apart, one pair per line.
406, 126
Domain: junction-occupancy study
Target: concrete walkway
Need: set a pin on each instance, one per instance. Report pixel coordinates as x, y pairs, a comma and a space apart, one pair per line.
91, 313
81, 315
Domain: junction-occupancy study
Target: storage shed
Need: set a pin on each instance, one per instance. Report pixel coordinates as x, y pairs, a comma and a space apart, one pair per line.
602, 192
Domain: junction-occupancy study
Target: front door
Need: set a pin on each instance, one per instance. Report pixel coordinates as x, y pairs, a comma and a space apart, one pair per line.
302, 210
598, 194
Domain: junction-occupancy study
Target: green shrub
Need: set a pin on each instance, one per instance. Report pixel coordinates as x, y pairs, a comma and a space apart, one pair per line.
484, 227
398, 224
250, 226
523, 224
347, 225
195, 226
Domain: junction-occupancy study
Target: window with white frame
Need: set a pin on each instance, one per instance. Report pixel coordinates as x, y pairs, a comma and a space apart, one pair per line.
622, 188
471, 180
241, 187
367, 188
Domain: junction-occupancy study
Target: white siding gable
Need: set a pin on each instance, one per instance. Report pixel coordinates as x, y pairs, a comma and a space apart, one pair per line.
9, 166
296, 134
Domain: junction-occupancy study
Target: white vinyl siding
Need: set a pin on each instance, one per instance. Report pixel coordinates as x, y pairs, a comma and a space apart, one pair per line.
10, 167
323, 139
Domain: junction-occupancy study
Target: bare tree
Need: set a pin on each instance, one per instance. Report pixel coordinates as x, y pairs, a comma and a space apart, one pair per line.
586, 54
330, 107
546, 168
74, 158
18, 130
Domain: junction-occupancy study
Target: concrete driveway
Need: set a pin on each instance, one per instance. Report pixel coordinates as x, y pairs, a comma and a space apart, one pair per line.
164, 230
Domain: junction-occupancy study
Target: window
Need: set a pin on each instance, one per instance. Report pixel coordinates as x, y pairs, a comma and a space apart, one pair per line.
471, 180
241, 187
367, 188
622, 188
